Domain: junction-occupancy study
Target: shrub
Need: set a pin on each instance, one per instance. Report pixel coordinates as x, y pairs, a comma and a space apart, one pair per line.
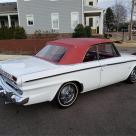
87, 31
81, 31
4, 33
12, 33
19, 33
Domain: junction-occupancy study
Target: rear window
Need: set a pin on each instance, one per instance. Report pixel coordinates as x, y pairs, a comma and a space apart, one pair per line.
52, 53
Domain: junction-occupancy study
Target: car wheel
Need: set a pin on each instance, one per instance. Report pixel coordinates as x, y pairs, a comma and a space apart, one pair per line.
132, 77
67, 95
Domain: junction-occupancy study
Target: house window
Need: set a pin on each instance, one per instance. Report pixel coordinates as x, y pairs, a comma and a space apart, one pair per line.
30, 20
91, 22
90, 3
74, 19
55, 21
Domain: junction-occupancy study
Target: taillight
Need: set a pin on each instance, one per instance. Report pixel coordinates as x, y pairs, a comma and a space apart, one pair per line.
14, 78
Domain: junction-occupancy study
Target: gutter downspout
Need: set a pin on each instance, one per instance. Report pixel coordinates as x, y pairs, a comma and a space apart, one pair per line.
83, 13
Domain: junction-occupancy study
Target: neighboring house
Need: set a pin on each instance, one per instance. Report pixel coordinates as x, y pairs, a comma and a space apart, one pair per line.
93, 16
8, 15
59, 15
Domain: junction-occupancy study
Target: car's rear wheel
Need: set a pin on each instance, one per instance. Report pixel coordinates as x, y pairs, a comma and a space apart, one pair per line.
67, 95
132, 77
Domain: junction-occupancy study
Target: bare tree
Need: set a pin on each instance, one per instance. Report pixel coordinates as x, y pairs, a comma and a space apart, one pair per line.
120, 13
131, 19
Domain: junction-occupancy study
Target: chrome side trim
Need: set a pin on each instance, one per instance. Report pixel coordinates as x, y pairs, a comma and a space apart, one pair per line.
80, 70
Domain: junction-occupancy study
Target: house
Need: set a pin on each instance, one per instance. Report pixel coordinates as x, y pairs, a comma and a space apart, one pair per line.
8, 15
93, 16
59, 16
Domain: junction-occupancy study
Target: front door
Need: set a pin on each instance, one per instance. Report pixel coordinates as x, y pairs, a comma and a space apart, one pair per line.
91, 76
113, 66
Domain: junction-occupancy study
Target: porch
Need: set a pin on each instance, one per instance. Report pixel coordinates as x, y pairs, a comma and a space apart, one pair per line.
94, 17
9, 20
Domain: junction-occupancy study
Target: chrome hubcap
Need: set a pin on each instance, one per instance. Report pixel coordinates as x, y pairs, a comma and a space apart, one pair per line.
133, 76
67, 94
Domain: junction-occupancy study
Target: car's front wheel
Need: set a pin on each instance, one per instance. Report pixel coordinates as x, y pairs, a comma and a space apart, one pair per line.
67, 95
132, 77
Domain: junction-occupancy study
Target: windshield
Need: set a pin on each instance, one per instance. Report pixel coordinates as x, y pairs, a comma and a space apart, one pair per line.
52, 53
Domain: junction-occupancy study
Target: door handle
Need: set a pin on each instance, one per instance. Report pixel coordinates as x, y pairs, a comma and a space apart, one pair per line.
105, 65
102, 67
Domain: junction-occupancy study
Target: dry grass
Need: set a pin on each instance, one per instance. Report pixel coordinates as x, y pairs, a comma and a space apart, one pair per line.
126, 45
7, 57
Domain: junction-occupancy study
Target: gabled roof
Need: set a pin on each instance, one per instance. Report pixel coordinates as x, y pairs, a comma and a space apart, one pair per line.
10, 7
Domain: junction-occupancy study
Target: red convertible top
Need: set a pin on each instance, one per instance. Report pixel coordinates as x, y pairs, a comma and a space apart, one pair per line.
78, 42
77, 48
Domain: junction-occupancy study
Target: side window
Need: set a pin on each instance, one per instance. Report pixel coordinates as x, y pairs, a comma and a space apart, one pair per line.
106, 51
30, 20
91, 54
55, 21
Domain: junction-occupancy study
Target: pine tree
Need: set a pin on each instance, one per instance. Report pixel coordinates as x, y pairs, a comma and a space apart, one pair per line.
109, 19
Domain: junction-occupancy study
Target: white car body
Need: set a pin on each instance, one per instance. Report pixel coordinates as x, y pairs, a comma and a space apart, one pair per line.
33, 80
40, 83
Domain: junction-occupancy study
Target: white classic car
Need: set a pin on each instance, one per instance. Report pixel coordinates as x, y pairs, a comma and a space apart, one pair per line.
63, 69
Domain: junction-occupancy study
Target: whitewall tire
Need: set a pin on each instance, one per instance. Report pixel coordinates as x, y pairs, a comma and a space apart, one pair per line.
67, 95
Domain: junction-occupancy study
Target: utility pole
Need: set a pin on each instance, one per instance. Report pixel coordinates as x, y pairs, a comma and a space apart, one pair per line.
131, 20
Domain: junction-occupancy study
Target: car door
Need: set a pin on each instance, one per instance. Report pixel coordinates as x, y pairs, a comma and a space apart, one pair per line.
91, 76
113, 66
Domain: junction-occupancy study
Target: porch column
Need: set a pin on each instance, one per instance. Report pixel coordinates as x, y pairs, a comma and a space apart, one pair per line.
101, 23
9, 21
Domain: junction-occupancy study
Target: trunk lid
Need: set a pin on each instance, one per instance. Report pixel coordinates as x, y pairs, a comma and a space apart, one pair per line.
24, 66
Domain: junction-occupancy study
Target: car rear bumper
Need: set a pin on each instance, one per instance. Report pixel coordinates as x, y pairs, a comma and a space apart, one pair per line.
9, 95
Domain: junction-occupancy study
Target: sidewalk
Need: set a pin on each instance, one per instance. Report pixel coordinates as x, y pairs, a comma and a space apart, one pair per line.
6, 57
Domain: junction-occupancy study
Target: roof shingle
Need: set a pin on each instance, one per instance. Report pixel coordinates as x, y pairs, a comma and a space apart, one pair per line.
10, 7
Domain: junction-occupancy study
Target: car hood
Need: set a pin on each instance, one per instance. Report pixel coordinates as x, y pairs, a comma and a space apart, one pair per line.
24, 66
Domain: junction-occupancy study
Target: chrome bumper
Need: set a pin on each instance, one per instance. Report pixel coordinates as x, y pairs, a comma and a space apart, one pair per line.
10, 96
